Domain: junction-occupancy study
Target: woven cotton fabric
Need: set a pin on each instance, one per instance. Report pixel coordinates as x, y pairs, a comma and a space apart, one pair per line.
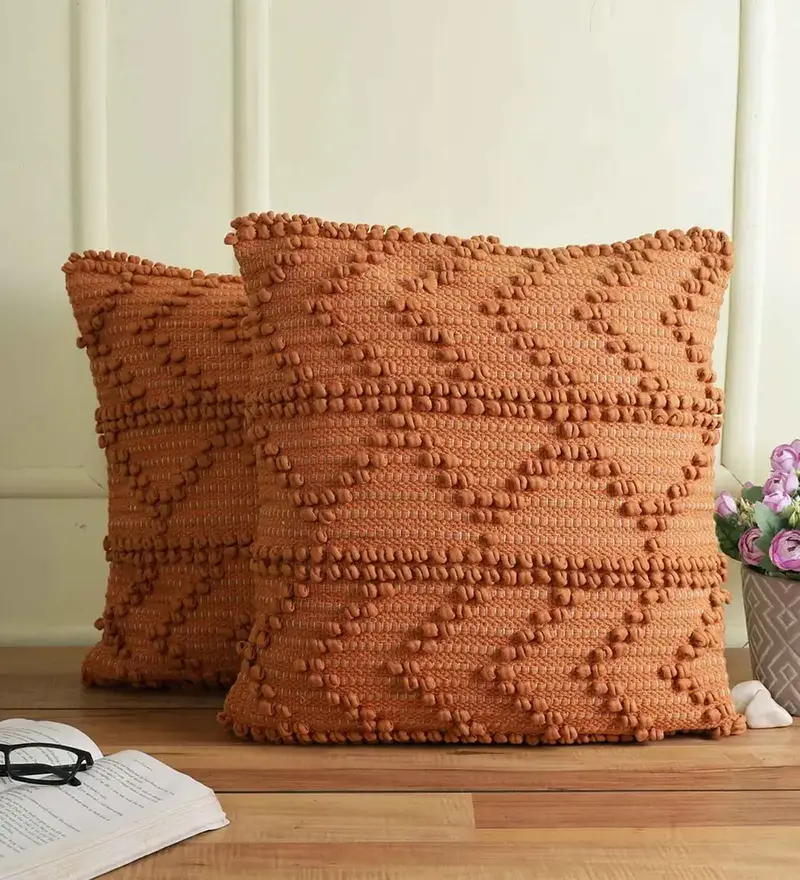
485, 479
170, 366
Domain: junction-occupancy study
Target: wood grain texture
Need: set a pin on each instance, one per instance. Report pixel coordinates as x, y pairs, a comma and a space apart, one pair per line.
352, 849
684, 808
49, 678
632, 809
193, 742
433, 835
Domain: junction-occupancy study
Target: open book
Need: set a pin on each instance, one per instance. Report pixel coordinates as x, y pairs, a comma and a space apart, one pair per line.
127, 806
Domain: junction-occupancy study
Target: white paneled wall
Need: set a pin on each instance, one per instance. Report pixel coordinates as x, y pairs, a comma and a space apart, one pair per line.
170, 129
562, 122
41, 371
144, 125
119, 133
769, 356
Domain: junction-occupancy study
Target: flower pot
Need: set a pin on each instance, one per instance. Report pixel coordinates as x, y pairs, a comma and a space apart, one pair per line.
772, 611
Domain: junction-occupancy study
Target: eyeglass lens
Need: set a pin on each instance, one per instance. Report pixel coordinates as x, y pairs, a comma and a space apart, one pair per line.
40, 763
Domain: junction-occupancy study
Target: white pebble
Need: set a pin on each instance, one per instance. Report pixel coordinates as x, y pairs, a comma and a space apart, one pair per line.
763, 712
744, 692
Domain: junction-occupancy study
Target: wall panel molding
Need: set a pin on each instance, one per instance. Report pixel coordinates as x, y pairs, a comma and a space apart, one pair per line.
89, 150
90, 123
251, 105
38, 634
66, 482
751, 179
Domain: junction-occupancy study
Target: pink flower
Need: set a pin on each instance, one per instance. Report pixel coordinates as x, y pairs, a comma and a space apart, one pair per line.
725, 505
784, 551
786, 457
778, 490
748, 550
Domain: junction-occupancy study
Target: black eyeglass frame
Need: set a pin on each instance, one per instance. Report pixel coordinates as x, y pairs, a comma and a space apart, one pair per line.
22, 772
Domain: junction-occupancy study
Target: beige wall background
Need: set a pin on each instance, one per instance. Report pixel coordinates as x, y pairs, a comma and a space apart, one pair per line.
144, 126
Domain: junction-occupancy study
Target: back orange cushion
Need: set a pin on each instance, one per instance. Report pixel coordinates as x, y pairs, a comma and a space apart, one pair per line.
170, 368
486, 487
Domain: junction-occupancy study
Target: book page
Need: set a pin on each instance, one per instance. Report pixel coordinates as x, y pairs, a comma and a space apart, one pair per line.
39, 823
16, 731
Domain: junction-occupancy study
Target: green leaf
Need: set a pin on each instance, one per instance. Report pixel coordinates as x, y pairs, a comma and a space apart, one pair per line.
728, 544
769, 522
766, 564
728, 531
753, 493
728, 525
731, 551
763, 543
721, 527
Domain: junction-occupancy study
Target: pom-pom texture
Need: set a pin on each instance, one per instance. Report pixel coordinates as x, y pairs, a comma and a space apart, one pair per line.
170, 366
485, 480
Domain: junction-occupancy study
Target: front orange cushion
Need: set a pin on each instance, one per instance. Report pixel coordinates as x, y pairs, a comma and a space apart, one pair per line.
170, 366
485, 478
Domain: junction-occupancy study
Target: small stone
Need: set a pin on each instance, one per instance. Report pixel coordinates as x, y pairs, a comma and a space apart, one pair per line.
763, 712
744, 692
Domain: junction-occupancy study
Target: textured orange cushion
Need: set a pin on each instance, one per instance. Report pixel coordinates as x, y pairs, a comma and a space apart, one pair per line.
486, 487
170, 370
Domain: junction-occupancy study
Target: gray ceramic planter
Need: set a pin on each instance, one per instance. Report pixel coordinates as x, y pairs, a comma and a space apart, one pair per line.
772, 611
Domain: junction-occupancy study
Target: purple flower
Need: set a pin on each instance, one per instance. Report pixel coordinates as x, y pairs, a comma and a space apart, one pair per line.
778, 490
786, 457
784, 551
725, 505
748, 550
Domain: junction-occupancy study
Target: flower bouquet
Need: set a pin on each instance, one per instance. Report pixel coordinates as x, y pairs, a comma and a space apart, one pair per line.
762, 528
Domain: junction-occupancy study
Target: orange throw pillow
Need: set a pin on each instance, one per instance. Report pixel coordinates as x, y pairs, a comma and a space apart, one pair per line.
486, 481
170, 367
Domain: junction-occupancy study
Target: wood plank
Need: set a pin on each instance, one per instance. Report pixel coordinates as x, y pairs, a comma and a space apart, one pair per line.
50, 678
322, 818
636, 809
192, 741
386, 836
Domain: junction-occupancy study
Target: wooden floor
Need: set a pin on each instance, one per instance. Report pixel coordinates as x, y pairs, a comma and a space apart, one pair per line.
682, 808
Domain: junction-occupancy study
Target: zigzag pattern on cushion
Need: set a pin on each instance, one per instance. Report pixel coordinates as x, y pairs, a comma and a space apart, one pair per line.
170, 365
485, 477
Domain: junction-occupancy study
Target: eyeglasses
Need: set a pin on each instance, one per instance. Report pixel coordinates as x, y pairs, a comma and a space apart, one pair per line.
43, 763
